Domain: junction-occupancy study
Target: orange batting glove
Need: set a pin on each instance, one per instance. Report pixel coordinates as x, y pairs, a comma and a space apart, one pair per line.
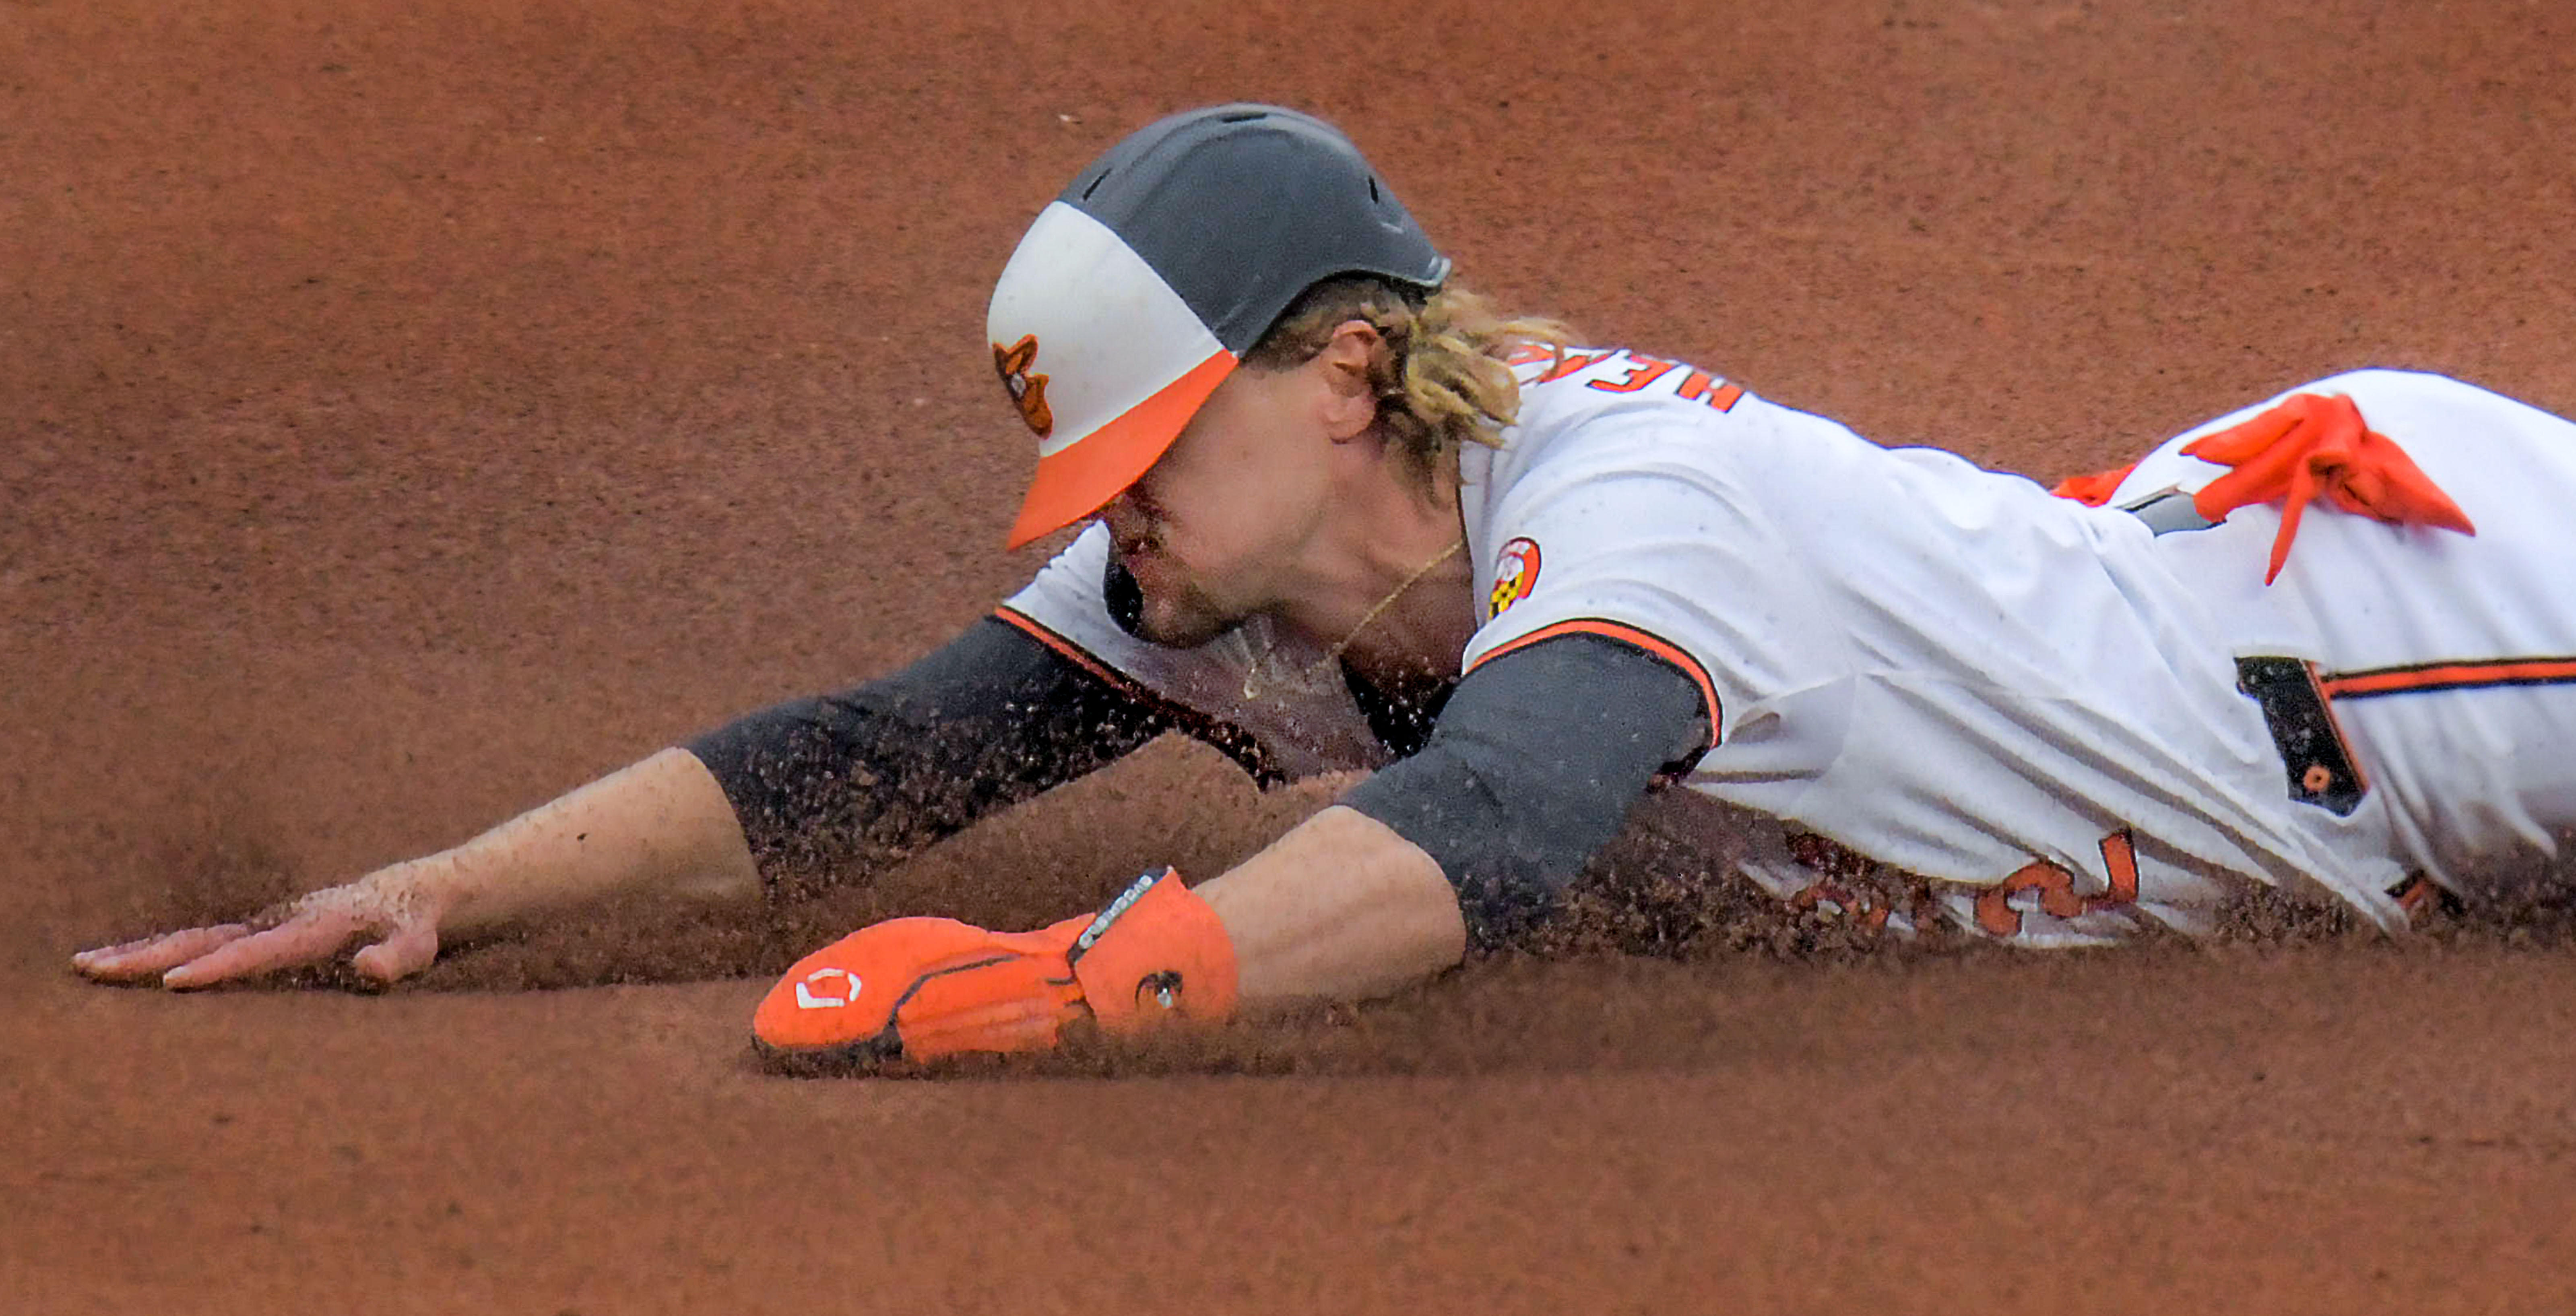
922, 988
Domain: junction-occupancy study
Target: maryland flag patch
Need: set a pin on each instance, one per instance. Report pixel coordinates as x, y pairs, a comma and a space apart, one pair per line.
1515, 575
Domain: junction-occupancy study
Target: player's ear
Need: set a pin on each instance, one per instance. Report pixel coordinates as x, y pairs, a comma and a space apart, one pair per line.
1351, 400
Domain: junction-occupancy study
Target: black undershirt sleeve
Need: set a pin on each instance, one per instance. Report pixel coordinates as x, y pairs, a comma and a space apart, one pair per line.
835, 785
1533, 766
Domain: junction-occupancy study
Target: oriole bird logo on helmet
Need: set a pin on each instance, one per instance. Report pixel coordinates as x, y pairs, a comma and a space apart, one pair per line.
1028, 391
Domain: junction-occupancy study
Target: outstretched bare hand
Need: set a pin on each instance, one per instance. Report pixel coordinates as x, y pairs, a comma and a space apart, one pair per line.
388, 907
660, 827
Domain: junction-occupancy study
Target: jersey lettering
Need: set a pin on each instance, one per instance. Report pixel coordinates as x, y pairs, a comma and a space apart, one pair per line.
1643, 372
1574, 363
1647, 370
1720, 394
1998, 916
1849, 885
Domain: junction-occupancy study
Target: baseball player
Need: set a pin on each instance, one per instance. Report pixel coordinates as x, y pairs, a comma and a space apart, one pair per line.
1345, 515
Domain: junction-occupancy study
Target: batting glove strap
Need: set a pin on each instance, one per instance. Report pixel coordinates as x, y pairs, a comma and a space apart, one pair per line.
1158, 952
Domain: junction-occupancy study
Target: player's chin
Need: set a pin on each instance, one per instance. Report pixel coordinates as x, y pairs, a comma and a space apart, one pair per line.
1183, 623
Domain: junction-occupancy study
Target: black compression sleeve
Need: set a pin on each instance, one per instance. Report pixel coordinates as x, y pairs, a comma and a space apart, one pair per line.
1532, 768
835, 783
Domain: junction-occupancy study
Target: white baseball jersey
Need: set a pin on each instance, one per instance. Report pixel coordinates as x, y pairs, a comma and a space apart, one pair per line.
1940, 691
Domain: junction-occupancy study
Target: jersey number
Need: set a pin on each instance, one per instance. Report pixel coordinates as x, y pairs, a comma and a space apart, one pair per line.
1997, 915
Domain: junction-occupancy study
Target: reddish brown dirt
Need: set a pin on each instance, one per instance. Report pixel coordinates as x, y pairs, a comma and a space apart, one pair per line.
412, 411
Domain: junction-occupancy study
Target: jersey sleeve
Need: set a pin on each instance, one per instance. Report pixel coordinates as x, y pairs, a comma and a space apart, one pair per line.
833, 784
1517, 786
1605, 532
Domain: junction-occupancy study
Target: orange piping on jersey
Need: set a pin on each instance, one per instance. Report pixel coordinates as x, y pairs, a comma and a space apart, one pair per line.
2428, 677
1071, 652
2334, 727
1696, 385
2095, 489
1625, 634
2315, 444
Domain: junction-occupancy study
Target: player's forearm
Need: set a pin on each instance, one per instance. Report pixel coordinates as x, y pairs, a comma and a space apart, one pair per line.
659, 828
831, 787
1341, 907
1510, 798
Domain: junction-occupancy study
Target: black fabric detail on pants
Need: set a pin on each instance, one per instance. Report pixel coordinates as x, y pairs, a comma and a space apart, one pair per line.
833, 786
1533, 767
2169, 512
2313, 752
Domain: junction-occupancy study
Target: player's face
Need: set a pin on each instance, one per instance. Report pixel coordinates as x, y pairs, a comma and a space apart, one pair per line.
1211, 531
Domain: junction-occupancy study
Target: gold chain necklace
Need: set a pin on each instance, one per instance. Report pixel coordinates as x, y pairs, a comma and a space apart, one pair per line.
1334, 654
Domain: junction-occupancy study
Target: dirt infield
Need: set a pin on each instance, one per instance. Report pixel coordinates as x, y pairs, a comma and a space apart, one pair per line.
414, 410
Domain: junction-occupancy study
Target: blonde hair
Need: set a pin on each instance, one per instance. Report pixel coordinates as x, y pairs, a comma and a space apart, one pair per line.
1439, 371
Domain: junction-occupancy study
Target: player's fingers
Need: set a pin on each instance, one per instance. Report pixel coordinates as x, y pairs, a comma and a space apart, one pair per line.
157, 951
408, 951
317, 935
145, 956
